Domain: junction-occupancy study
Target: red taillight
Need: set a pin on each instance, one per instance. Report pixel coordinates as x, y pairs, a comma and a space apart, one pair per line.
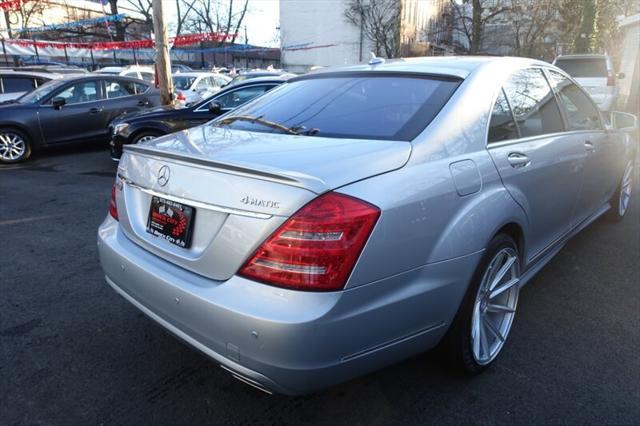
113, 207
317, 247
181, 97
611, 79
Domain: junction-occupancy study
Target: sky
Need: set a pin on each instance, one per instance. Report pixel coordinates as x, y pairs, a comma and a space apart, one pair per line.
261, 21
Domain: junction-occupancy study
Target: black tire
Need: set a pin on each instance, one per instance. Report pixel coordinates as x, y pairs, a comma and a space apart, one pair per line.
13, 133
457, 343
145, 134
616, 213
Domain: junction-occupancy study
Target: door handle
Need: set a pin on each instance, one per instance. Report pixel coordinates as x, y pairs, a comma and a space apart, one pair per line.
518, 160
143, 103
95, 110
588, 145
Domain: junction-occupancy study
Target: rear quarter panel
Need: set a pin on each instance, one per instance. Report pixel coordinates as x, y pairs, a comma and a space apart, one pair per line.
425, 219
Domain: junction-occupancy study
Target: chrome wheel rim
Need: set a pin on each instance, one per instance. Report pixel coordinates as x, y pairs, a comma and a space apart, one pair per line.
146, 138
625, 189
495, 306
12, 146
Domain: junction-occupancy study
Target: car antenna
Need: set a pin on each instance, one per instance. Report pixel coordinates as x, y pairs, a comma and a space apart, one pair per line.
375, 60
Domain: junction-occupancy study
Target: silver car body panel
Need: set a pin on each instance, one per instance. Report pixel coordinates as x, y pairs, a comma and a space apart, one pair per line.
442, 196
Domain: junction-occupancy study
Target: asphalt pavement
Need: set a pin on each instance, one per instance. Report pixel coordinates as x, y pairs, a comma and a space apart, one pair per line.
74, 352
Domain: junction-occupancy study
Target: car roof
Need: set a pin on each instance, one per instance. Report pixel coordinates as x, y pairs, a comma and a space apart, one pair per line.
453, 66
27, 73
109, 69
193, 73
582, 56
78, 77
258, 80
257, 72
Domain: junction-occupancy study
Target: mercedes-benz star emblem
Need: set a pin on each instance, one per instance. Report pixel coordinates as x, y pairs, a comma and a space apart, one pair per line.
163, 175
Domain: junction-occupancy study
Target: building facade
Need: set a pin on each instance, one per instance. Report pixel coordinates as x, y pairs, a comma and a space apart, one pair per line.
316, 33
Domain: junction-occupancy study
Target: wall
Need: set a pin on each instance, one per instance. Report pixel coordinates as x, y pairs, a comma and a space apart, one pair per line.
630, 65
312, 23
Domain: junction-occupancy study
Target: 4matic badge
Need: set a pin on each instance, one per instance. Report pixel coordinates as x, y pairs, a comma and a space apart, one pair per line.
251, 201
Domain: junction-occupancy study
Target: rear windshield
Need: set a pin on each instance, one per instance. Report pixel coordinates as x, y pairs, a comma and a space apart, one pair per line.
360, 106
183, 83
587, 67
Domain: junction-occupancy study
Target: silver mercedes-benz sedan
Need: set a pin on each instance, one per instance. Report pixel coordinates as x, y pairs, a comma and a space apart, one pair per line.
354, 217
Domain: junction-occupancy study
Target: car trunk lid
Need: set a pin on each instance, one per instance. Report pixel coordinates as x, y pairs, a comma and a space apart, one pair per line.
242, 185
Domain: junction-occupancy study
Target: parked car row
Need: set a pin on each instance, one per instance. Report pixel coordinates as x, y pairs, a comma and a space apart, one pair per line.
139, 127
100, 107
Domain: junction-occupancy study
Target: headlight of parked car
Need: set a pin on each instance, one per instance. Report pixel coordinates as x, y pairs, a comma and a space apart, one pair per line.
119, 128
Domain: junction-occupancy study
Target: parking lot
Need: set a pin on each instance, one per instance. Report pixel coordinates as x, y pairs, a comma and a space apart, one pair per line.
73, 351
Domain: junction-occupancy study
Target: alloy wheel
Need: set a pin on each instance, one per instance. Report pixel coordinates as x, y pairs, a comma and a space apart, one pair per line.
625, 189
146, 138
12, 146
495, 306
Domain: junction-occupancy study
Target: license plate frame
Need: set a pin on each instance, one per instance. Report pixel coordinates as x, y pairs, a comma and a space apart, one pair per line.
171, 221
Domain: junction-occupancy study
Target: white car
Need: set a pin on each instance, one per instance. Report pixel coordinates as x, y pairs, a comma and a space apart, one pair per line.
194, 86
145, 73
14, 84
595, 74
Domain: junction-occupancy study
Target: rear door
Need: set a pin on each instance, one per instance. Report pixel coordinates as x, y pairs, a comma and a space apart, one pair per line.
540, 165
602, 151
123, 95
80, 119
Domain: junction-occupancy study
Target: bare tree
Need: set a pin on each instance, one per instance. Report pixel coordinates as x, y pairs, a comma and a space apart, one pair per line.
379, 21
224, 18
469, 19
24, 16
531, 21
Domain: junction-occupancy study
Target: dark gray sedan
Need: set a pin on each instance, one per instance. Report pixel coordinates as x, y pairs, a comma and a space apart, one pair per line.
69, 110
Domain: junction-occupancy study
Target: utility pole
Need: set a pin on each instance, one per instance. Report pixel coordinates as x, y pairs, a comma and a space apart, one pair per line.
163, 60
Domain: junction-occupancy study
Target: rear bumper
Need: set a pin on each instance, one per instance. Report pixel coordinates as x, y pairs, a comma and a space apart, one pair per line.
287, 341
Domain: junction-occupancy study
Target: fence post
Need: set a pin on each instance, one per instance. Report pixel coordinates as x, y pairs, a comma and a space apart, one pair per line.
4, 51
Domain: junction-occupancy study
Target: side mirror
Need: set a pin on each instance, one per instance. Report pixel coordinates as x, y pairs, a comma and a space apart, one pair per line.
621, 75
58, 103
215, 108
623, 120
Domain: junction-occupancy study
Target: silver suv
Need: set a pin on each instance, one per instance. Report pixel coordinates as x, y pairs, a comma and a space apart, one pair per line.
595, 74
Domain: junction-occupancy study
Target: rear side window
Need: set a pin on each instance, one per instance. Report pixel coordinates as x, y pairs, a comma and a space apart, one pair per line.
581, 113
140, 88
120, 88
147, 76
241, 96
354, 105
502, 126
18, 84
585, 67
533, 103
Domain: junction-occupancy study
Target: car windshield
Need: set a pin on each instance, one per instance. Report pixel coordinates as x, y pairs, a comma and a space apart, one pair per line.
41, 92
583, 67
357, 105
183, 83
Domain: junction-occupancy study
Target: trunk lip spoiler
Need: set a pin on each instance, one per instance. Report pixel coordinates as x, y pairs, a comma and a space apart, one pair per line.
306, 182
194, 203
